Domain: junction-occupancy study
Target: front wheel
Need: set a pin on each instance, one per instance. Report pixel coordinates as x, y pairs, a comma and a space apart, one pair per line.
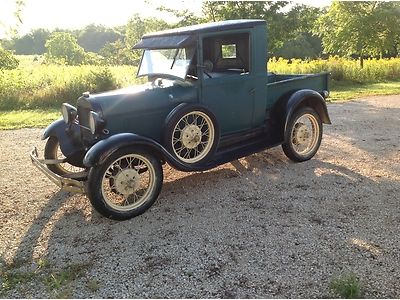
126, 184
303, 135
52, 151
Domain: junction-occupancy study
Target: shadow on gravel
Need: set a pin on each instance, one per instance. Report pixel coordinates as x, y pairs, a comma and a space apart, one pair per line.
26, 248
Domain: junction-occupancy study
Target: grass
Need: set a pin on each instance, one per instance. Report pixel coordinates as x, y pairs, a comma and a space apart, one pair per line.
28, 118
347, 287
58, 281
341, 91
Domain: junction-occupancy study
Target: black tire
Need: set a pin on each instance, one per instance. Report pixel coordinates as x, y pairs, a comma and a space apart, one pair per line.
51, 152
100, 188
296, 131
204, 137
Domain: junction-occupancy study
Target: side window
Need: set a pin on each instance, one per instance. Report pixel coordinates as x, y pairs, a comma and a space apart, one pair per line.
227, 54
228, 50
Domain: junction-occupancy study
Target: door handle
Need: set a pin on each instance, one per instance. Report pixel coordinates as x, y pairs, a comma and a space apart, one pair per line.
252, 91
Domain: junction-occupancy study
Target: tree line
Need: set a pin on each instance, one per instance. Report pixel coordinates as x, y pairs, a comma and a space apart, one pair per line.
358, 29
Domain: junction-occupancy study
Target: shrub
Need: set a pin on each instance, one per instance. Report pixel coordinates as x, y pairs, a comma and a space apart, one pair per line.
47, 86
7, 60
341, 69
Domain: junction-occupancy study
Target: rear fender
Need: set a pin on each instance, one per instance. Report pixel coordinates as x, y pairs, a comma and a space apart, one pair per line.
308, 98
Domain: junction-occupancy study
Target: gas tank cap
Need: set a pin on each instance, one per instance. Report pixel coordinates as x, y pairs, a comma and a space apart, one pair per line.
86, 94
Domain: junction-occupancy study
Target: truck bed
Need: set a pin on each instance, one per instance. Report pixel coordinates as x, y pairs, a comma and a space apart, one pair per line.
280, 84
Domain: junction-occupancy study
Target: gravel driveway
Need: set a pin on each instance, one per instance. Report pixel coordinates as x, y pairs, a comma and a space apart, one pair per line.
259, 227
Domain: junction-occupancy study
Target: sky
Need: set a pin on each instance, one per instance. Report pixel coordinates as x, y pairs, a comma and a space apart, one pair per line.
73, 14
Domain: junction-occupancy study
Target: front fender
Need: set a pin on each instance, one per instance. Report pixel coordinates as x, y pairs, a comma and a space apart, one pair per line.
100, 151
68, 137
54, 129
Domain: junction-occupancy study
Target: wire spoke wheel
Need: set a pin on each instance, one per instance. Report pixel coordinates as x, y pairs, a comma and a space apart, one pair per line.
53, 151
66, 167
128, 182
304, 135
193, 137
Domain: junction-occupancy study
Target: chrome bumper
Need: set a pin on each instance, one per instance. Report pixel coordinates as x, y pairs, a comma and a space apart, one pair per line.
67, 184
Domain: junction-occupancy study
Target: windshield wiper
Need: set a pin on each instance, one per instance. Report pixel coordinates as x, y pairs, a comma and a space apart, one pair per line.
176, 54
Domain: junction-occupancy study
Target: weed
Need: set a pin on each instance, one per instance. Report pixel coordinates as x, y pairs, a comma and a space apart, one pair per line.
347, 287
93, 285
56, 280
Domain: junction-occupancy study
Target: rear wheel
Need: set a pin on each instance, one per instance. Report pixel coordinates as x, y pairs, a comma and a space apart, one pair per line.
52, 151
303, 135
126, 184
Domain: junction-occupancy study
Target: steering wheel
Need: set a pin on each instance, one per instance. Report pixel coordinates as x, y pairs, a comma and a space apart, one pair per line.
208, 75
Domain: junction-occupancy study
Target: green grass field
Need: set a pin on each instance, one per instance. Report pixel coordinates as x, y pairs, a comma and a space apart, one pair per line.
31, 95
342, 91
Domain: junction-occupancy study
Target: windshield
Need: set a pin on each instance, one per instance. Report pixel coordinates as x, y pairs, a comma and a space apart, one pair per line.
174, 62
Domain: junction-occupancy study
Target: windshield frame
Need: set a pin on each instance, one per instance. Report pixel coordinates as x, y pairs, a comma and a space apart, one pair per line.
167, 75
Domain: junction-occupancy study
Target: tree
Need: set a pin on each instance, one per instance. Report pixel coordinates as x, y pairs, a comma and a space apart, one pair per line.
360, 28
185, 17
300, 41
136, 28
303, 46
7, 60
31, 43
116, 53
94, 37
63, 46
271, 12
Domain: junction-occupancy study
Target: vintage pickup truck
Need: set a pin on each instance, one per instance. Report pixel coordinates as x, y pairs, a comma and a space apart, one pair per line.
209, 100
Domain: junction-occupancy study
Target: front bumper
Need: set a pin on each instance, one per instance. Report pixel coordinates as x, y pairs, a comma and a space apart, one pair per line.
67, 184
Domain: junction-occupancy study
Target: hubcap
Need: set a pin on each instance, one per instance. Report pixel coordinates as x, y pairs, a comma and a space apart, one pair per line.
191, 136
127, 181
305, 134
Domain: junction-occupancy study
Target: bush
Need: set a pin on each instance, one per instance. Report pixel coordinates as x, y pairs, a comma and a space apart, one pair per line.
7, 60
341, 69
47, 86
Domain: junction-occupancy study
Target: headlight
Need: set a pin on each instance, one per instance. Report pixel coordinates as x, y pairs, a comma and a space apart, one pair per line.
96, 123
69, 112
325, 94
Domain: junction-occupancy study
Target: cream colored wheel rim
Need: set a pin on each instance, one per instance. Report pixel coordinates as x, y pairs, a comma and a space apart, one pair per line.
128, 182
65, 167
304, 135
193, 137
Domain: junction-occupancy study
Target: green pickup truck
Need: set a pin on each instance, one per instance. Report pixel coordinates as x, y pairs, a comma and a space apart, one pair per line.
209, 100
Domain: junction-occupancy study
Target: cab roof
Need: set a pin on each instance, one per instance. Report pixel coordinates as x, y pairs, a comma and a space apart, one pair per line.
184, 36
208, 27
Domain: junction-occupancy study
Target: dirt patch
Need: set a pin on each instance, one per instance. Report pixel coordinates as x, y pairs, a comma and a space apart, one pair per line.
260, 227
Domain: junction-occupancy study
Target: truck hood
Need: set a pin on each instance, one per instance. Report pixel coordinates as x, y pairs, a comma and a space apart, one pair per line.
142, 98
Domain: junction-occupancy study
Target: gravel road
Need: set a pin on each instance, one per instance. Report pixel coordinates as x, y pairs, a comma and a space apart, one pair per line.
259, 227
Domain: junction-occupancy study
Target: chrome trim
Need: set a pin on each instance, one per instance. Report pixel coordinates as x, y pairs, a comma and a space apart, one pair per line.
67, 184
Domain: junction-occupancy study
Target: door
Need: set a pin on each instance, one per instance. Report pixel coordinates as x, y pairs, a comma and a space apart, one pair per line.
231, 99
228, 88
